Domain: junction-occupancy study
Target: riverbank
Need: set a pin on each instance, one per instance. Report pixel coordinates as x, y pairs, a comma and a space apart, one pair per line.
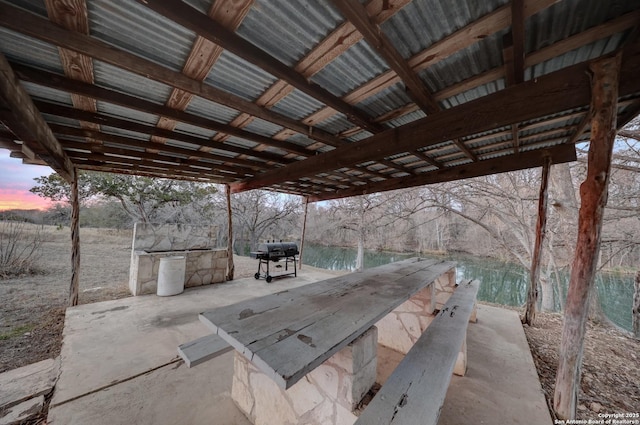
32, 318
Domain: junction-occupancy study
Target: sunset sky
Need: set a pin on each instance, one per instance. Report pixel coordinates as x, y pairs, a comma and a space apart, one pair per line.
16, 179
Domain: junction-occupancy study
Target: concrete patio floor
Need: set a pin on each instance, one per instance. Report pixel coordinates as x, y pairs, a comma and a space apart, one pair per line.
119, 363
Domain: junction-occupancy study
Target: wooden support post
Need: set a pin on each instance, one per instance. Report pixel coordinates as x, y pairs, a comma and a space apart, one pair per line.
230, 266
636, 308
75, 241
593, 194
541, 228
304, 228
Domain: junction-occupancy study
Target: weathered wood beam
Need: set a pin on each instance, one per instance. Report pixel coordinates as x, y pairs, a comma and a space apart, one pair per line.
357, 15
62, 83
607, 29
190, 18
167, 167
64, 111
304, 228
230, 266
529, 159
22, 117
73, 15
553, 93
145, 172
593, 194
204, 54
71, 147
75, 241
32, 25
536, 260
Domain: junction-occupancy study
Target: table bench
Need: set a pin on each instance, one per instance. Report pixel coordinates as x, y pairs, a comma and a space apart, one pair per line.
321, 337
415, 391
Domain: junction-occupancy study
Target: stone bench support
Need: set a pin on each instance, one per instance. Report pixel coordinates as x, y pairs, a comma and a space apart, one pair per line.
326, 395
401, 328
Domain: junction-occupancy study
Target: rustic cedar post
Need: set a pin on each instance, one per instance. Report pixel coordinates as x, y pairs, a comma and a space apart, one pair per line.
593, 195
304, 228
541, 228
75, 241
636, 308
230, 266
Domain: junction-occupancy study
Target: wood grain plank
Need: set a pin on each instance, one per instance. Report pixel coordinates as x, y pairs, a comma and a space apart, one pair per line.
289, 333
202, 349
415, 391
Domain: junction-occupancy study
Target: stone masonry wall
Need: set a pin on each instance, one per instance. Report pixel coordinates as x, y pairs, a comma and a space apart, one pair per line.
202, 268
205, 263
327, 395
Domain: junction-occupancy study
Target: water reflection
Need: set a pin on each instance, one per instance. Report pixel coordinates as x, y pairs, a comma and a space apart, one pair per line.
502, 283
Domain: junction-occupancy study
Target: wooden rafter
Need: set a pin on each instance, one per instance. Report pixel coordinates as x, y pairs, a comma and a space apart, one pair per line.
204, 54
27, 23
553, 93
190, 18
111, 96
357, 15
530, 159
22, 117
73, 15
477, 30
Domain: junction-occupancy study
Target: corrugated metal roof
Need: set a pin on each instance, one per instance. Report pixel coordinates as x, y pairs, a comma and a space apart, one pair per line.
211, 110
46, 93
61, 120
237, 76
193, 130
407, 30
406, 119
262, 127
297, 105
350, 70
126, 113
137, 29
286, 29
335, 124
29, 51
123, 81
387, 100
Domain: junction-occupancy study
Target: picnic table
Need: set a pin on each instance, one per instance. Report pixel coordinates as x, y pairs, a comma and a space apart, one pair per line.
323, 336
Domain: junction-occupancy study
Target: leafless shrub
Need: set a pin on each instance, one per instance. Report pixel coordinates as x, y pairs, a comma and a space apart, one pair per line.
19, 247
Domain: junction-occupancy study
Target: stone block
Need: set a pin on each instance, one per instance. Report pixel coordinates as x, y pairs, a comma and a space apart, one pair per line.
220, 253
326, 377
218, 276
204, 260
354, 387
304, 396
391, 333
145, 267
220, 263
270, 405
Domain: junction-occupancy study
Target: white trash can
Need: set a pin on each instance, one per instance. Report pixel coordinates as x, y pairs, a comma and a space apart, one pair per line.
171, 275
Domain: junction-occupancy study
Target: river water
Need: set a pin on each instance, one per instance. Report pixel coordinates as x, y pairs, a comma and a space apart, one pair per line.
502, 283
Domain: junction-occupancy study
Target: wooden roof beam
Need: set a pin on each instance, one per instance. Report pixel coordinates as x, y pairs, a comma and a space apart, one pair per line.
154, 132
62, 83
480, 29
32, 25
131, 143
204, 54
357, 15
22, 117
73, 15
76, 149
529, 159
190, 18
559, 91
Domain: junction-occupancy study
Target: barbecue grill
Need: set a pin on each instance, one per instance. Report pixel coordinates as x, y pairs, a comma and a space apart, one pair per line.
274, 252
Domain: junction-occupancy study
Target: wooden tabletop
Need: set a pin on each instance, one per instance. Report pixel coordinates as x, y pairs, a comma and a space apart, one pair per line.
290, 333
